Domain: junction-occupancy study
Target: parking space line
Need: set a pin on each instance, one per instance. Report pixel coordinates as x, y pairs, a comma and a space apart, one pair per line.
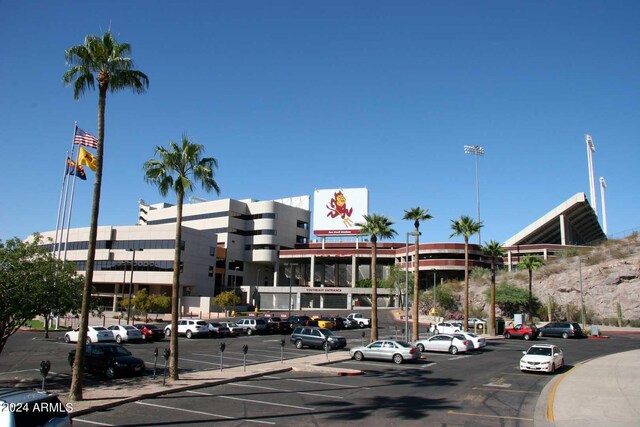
303, 408
469, 414
286, 391
226, 417
316, 382
80, 420
199, 361
504, 389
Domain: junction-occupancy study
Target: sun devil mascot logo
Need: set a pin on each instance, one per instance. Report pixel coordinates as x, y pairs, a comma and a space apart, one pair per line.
338, 208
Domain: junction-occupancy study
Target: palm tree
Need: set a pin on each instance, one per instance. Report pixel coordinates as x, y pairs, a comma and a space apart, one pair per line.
494, 250
416, 214
178, 169
104, 60
531, 262
376, 226
465, 226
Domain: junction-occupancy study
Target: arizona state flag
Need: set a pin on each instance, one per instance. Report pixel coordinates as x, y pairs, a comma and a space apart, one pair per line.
77, 170
86, 158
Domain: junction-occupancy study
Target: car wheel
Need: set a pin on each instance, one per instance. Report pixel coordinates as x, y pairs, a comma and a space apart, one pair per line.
189, 334
565, 335
361, 324
118, 339
358, 356
553, 368
110, 372
540, 334
562, 363
526, 337
144, 337
88, 340
507, 335
249, 331
299, 344
435, 331
420, 347
67, 339
453, 349
397, 359
167, 332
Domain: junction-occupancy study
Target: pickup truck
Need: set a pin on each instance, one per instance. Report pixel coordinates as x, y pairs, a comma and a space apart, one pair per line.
359, 319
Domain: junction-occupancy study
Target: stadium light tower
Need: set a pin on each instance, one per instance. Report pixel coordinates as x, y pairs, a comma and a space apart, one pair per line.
592, 184
603, 186
476, 150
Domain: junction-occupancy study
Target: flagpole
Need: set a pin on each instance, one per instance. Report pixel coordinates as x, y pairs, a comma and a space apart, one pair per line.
73, 191
56, 244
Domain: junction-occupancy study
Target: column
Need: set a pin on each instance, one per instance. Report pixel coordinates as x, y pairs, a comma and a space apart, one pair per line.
563, 235
312, 272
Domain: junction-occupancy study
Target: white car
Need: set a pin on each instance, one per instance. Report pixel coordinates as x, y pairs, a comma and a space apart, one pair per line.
542, 358
233, 327
452, 343
445, 328
94, 334
189, 328
125, 333
478, 341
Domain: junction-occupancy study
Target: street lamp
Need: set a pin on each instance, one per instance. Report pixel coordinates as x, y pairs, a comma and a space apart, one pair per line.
476, 150
581, 296
235, 276
133, 260
406, 286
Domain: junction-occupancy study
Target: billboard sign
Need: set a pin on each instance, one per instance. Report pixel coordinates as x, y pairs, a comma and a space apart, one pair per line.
336, 211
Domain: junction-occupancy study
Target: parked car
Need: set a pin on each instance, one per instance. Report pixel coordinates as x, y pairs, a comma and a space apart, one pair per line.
359, 320
396, 351
481, 324
561, 329
36, 408
234, 329
189, 328
313, 336
109, 359
150, 332
338, 322
445, 328
253, 325
278, 325
478, 341
94, 334
323, 322
125, 333
542, 358
302, 321
217, 329
452, 343
523, 331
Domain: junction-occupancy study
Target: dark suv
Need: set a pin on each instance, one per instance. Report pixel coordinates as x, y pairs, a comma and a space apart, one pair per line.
561, 329
312, 336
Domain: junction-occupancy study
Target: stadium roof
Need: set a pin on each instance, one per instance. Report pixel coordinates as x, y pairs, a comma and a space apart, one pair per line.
574, 222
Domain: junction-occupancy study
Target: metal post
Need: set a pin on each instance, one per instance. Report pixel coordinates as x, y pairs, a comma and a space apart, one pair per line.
581, 296
406, 291
133, 260
476, 150
235, 276
434, 292
155, 361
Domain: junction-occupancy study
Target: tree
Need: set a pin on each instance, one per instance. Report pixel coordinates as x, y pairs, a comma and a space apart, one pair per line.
177, 170
376, 226
465, 226
416, 215
511, 299
27, 274
395, 280
531, 262
104, 60
494, 250
227, 299
159, 303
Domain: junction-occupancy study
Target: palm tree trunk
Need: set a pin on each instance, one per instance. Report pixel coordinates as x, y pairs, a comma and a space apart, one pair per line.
415, 313
175, 292
75, 392
530, 296
465, 325
374, 291
492, 326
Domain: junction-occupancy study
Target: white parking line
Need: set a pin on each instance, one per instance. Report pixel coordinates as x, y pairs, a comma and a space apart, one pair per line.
199, 361
303, 408
286, 391
80, 420
315, 382
204, 413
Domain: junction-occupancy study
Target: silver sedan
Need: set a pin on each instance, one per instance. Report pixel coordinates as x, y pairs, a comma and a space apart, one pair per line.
396, 351
452, 343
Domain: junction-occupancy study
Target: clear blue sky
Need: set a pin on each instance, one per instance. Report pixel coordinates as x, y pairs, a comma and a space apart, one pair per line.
292, 96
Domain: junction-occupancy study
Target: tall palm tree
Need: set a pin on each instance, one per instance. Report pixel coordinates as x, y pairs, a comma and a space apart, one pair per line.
104, 60
493, 249
177, 170
416, 214
376, 226
531, 262
465, 226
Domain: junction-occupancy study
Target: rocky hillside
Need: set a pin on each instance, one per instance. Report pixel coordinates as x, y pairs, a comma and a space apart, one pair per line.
610, 276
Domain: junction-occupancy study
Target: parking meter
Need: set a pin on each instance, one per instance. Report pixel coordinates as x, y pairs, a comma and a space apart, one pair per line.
282, 351
245, 349
45, 366
167, 353
362, 337
222, 347
155, 361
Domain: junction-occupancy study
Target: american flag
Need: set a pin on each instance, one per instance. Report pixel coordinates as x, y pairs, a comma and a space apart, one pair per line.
85, 138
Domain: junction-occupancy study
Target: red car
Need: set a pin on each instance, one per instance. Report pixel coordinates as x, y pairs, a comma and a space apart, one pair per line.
523, 330
150, 332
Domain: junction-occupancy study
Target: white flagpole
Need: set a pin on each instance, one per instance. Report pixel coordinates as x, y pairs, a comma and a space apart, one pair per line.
62, 202
73, 189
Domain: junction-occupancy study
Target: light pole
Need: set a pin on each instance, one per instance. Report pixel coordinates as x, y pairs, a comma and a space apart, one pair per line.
235, 276
133, 261
434, 292
406, 286
581, 296
476, 150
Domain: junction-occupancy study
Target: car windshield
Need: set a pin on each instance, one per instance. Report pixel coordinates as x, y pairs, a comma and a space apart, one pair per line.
325, 332
539, 351
231, 324
99, 328
152, 327
403, 344
116, 351
130, 328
